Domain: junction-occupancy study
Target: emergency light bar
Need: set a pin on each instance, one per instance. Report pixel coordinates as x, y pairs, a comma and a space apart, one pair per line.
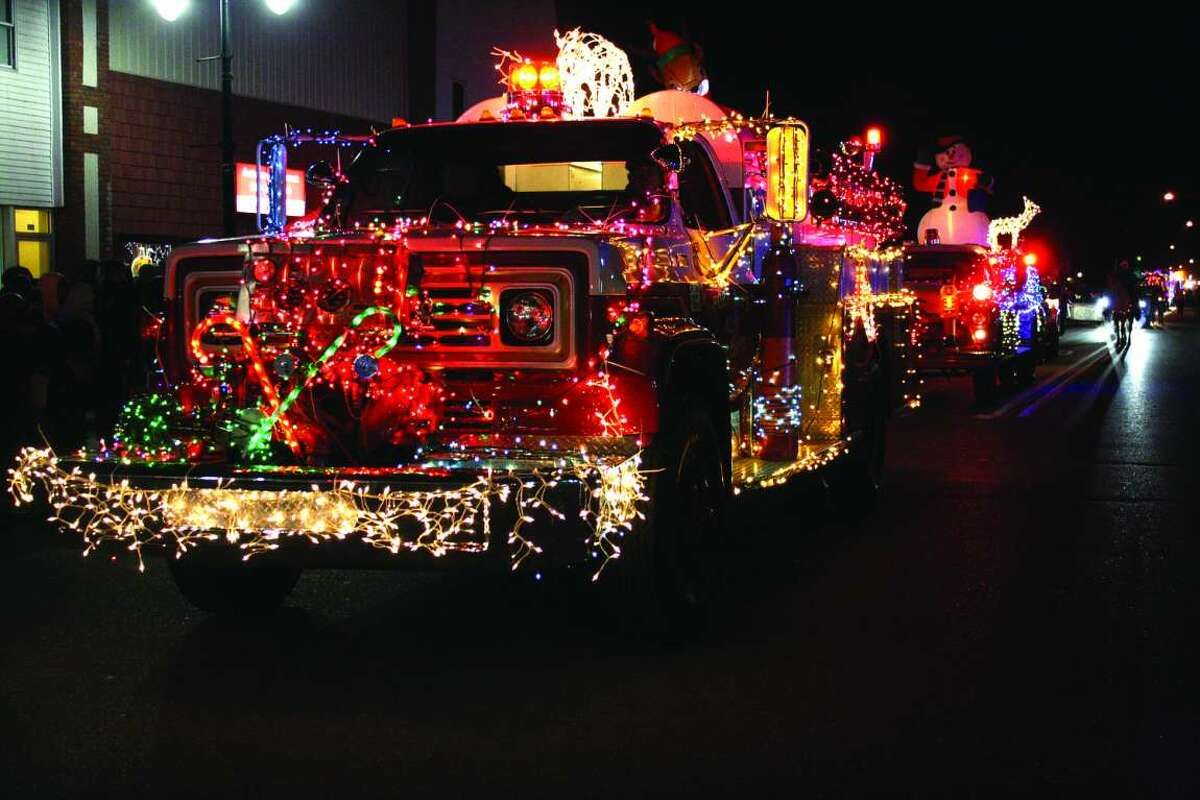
534, 89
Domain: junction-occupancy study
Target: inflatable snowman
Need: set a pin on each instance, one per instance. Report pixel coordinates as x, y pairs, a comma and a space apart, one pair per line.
960, 194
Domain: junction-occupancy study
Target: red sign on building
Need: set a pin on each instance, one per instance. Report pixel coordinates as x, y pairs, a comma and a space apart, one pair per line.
248, 203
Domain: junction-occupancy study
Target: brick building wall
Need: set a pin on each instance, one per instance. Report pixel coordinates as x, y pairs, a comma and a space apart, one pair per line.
69, 221
157, 145
165, 154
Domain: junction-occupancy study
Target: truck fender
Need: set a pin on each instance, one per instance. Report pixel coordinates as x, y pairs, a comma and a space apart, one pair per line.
695, 366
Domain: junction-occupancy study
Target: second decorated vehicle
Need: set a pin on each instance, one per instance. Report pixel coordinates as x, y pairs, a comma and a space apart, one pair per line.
983, 309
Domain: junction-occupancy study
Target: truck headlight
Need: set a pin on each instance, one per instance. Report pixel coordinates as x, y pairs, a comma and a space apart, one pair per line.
527, 316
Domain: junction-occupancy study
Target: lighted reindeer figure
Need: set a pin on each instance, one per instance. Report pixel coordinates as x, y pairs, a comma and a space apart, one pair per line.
1011, 225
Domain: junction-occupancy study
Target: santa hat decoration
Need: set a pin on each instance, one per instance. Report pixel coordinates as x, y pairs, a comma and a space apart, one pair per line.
677, 64
665, 41
946, 142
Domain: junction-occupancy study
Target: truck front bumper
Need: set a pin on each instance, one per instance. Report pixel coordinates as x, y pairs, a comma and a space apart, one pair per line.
578, 507
955, 359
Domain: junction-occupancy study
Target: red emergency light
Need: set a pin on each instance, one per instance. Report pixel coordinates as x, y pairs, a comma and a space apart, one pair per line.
872, 143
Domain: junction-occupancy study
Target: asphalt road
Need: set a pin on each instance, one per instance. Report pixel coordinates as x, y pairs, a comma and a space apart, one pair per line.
1017, 618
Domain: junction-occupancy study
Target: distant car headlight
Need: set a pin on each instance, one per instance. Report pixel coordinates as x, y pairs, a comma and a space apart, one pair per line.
1102, 303
527, 316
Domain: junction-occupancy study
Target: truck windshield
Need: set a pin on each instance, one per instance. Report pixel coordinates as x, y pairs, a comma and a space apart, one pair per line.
517, 172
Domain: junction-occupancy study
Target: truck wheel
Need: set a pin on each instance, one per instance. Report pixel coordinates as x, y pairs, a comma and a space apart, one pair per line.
983, 380
1024, 370
233, 589
862, 474
1052, 346
666, 575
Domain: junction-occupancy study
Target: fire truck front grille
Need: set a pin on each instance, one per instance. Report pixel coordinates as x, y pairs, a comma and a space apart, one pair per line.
457, 308
459, 316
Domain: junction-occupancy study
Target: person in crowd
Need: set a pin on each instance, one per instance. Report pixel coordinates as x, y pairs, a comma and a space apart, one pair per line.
1122, 287
23, 339
53, 288
117, 310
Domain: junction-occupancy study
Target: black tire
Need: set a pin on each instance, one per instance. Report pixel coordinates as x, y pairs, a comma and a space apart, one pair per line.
233, 589
861, 476
1024, 370
666, 577
1051, 351
983, 380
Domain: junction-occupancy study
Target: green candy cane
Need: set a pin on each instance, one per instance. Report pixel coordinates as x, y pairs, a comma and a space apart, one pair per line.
262, 433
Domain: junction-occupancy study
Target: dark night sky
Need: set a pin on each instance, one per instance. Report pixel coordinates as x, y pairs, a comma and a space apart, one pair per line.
1093, 120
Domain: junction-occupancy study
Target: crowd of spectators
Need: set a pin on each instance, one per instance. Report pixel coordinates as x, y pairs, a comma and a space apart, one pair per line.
71, 343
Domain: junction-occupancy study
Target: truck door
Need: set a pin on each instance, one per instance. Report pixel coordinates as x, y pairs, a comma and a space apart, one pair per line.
706, 207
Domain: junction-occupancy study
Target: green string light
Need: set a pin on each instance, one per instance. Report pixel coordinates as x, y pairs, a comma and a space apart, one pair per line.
257, 444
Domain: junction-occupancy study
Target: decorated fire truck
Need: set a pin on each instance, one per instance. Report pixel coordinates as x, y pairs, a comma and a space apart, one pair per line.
983, 308
563, 331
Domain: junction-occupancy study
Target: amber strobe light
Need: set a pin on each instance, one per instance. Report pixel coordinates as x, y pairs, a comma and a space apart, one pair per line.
787, 172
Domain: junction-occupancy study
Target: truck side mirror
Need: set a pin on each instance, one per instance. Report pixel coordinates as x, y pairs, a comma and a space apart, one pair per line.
787, 172
320, 173
669, 157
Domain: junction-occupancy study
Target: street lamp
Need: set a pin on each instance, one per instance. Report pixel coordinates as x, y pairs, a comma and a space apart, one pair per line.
170, 11
1168, 197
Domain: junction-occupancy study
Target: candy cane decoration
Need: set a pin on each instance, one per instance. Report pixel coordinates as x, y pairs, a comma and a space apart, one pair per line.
260, 371
263, 432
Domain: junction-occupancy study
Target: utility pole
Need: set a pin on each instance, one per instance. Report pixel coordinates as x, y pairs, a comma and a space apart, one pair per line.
227, 167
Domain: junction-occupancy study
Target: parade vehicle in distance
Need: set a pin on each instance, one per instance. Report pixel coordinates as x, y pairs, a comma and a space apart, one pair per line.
1087, 304
983, 312
520, 337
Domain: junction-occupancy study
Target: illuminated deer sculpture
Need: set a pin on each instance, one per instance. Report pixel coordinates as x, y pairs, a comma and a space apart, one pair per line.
1011, 225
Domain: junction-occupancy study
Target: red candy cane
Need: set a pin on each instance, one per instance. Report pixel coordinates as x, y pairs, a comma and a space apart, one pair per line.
260, 371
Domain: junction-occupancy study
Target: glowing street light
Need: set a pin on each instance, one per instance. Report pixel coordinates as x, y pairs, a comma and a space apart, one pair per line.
1168, 197
170, 11
1190, 223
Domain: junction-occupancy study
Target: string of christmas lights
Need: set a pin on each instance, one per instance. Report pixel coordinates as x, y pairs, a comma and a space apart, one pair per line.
256, 521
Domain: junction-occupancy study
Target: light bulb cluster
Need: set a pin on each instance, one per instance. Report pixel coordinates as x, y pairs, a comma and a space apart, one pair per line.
436, 522
597, 80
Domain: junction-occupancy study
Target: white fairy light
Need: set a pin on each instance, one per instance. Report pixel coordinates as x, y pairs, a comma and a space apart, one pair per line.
1011, 225
597, 80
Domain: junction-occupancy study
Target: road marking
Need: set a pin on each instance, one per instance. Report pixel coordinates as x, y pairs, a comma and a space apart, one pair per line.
1058, 388
1036, 395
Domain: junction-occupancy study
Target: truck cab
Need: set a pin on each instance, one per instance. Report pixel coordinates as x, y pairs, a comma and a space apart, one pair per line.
982, 312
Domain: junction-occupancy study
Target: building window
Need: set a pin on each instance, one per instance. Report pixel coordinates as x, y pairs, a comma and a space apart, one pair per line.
31, 227
8, 35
